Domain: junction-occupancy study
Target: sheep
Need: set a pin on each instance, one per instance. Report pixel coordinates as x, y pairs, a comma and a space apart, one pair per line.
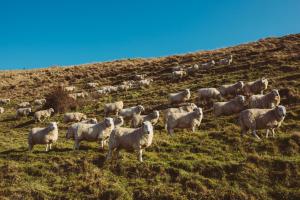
235, 105
269, 100
124, 87
189, 120
69, 88
1, 110
180, 97
48, 136
118, 121
89, 121
186, 108
178, 75
255, 87
128, 113
4, 101
43, 114
91, 132
208, 64
257, 119
206, 95
139, 77
108, 89
143, 83
78, 95
226, 61
39, 102
177, 68
23, 112
131, 139
137, 120
231, 89
74, 117
92, 85
113, 107
192, 69
71, 130
24, 105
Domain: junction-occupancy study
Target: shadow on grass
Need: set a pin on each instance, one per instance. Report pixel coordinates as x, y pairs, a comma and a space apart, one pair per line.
7, 152
25, 124
9, 119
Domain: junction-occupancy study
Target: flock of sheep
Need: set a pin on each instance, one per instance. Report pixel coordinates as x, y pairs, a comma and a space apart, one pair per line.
256, 111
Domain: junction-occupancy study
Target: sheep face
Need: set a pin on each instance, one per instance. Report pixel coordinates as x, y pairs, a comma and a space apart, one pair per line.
119, 120
275, 94
240, 85
187, 91
109, 122
53, 125
51, 110
281, 111
192, 105
241, 99
141, 108
156, 113
198, 111
264, 83
147, 127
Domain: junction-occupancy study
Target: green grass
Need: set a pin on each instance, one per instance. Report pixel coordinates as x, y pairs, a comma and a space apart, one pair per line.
213, 163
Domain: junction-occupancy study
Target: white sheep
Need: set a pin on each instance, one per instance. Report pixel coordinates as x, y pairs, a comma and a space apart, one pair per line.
1, 110
92, 85
180, 97
23, 112
208, 64
137, 120
4, 101
269, 100
118, 121
113, 107
189, 120
192, 69
43, 114
124, 87
72, 129
226, 61
235, 105
139, 77
206, 95
231, 89
178, 75
74, 117
39, 102
91, 132
143, 83
256, 119
24, 105
255, 87
48, 136
69, 88
131, 139
128, 113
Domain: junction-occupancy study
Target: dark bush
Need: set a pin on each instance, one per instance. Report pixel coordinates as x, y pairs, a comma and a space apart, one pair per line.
59, 100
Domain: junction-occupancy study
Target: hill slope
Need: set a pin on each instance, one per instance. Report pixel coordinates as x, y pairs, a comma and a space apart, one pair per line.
213, 163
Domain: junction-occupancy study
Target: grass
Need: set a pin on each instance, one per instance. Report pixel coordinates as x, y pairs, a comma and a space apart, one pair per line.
213, 163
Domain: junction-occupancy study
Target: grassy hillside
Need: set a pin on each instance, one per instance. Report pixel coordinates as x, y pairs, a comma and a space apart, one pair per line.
213, 163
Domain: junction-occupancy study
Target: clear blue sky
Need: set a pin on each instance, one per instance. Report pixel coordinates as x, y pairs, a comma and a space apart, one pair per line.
41, 33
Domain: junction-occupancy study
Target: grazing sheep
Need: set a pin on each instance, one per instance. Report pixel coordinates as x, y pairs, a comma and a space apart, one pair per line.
139, 77
231, 89
235, 105
131, 139
43, 114
78, 95
209, 64
39, 102
255, 87
90, 121
128, 113
256, 119
72, 129
108, 89
92, 85
124, 87
4, 101
24, 105
180, 97
23, 112
74, 117
69, 88
113, 107
226, 61
48, 136
118, 121
206, 95
137, 120
91, 132
177, 75
143, 83
269, 100
1, 110
189, 120
192, 69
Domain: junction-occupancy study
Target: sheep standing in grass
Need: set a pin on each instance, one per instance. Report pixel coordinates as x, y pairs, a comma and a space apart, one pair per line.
74, 117
178, 75
256, 87
39, 102
256, 119
4, 101
192, 69
231, 89
137, 120
69, 88
226, 61
118, 121
269, 100
189, 120
131, 139
113, 107
139, 77
208, 64
72, 129
23, 112
1, 110
235, 105
180, 97
128, 113
92, 85
48, 136
43, 114
92, 132
24, 105
206, 95
144, 83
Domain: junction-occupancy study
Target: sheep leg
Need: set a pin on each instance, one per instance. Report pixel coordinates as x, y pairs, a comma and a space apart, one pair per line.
102, 144
140, 155
47, 147
254, 133
193, 129
267, 134
170, 131
50, 146
273, 132
76, 144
